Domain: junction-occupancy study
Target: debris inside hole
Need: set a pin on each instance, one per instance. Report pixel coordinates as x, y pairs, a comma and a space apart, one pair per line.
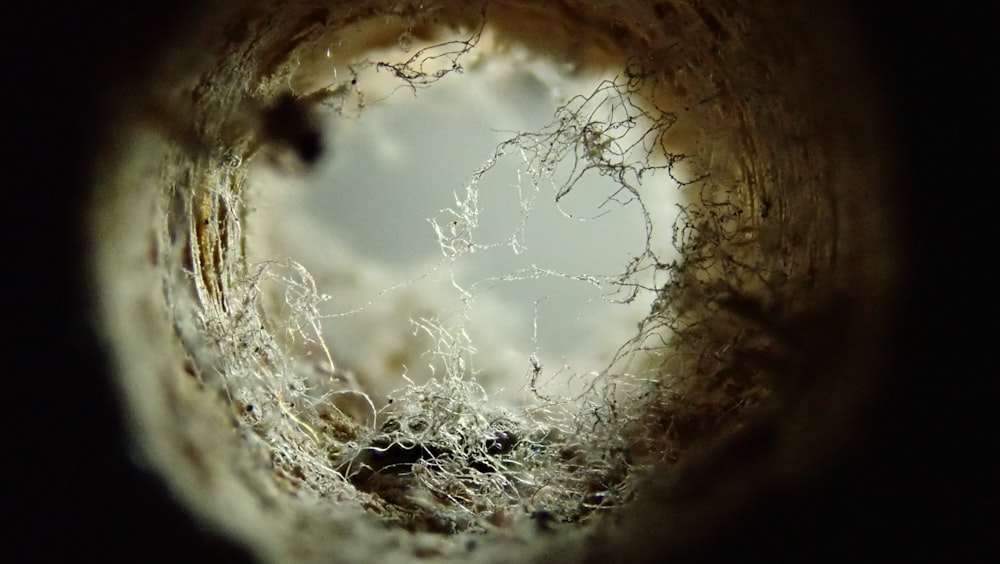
254, 284
501, 193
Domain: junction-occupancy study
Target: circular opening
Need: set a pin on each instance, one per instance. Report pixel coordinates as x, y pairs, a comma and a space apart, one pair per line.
478, 251
446, 280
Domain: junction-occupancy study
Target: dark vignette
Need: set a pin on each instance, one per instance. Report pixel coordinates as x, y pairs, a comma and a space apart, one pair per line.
921, 489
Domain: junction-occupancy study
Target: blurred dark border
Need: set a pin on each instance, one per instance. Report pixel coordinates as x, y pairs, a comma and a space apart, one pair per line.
77, 493
923, 491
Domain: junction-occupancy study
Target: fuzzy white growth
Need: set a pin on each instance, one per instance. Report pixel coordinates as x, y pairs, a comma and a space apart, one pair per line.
547, 437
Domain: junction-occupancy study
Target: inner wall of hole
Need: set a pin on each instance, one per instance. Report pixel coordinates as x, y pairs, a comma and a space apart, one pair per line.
800, 208
408, 158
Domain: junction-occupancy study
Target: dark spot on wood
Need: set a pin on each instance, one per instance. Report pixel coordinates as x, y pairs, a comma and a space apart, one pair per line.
664, 10
621, 32
317, 17
765, 207
543, 519
196, 461
712, 23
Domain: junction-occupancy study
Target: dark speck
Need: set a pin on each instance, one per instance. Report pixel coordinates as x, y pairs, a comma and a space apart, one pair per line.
502, 443
290, 121
544, 519
310, 147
